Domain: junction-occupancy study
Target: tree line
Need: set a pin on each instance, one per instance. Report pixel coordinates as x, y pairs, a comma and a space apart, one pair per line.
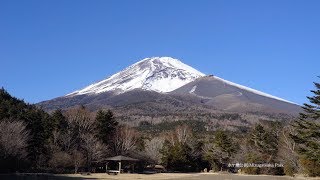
32, 140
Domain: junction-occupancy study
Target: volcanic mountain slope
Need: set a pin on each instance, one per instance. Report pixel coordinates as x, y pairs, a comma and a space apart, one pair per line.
160, 74
163, 85
147, 80
228, 96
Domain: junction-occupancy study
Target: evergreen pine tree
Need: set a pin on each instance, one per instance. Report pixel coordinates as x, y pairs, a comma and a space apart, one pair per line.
37, 121
308, 134
264, 141
225, 143
177, 157
59, 120
106, 125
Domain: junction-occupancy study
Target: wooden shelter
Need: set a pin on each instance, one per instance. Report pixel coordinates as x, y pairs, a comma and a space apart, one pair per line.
119, 159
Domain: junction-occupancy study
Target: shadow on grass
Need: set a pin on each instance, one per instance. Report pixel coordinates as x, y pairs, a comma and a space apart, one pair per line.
38, 177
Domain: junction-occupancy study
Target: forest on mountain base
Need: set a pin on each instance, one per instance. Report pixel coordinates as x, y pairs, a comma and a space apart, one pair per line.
78, 140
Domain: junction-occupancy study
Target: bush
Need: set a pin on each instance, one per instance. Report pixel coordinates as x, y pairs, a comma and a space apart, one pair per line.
289, 170
215, 166
252, 158
279, 171
311, 167
251, 170
177, 157
60, 161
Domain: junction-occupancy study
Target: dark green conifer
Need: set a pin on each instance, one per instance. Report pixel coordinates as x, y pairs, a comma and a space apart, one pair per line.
59, 120
106, 125
308, 134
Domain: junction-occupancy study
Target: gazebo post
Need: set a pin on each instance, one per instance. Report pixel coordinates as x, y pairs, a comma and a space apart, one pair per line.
106, 167
119, 159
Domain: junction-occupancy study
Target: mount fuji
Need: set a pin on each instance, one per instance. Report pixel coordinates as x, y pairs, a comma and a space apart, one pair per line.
166, 85
160, 74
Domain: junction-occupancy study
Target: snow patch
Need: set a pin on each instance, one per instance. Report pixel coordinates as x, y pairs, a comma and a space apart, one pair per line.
193, 89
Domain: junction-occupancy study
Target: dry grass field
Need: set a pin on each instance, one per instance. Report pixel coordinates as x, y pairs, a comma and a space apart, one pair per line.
180, 176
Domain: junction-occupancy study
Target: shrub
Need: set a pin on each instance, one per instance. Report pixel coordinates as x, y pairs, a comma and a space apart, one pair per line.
289, 170
252, 158
60, 160
311, 167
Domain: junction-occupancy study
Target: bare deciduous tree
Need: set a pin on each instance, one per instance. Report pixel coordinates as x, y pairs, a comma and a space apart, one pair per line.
93, 148
287, 150
125, 139
171, 137
152, 149
80, 119
78, 160
183, 133
55, 137
288, 143
77, 140
60, 159
13, 139
67, 140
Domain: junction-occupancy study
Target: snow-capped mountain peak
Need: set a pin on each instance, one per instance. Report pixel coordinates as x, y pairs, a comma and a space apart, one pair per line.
160, 74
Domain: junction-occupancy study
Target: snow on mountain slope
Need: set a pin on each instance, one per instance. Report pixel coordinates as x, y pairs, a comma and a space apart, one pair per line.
160, 74
211, 87
252, 90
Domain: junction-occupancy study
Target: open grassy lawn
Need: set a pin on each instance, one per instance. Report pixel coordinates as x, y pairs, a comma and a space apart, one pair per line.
160, 176
185, 176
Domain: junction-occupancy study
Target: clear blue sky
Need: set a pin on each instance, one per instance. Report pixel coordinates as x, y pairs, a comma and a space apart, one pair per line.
51, 48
